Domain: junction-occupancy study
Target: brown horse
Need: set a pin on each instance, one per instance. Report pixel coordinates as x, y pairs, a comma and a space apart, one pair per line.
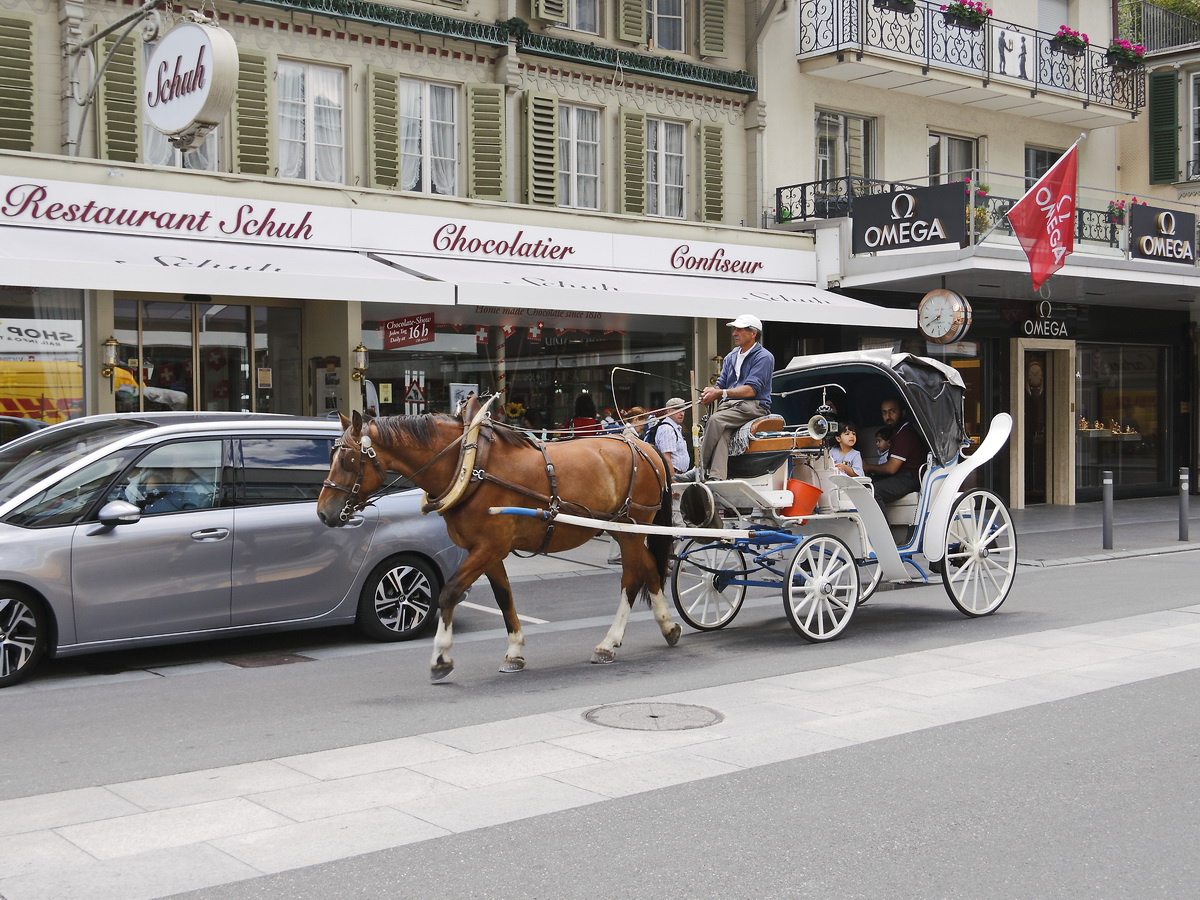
471, 467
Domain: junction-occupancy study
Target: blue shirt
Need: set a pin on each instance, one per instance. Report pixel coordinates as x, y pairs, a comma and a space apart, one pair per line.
669, 439
757, 369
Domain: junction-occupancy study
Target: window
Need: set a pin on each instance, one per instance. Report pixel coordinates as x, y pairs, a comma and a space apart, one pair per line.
664, 23
845, 146
428, 138
311, 126
583, 15
157, 150
1193, 166
951, 158
283, 470
1038, 161
578, 157
664, 168
174, 478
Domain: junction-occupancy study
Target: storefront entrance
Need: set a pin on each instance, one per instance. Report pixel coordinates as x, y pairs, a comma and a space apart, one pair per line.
1043, 406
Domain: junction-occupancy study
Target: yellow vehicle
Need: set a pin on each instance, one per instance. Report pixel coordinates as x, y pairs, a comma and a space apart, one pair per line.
50, 392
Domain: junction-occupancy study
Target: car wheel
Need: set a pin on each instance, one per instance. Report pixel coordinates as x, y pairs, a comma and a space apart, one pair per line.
24, 633
399, 599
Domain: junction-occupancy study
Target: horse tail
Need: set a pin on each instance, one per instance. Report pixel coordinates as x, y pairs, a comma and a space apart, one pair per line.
659, 545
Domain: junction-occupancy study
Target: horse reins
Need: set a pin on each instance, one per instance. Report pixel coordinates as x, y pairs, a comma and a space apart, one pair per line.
354, 503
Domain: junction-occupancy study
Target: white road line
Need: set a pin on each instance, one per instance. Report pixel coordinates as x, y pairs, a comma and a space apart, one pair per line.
491, 609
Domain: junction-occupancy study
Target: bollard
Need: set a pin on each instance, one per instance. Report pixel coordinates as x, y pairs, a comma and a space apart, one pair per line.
1107, 481
1183, 503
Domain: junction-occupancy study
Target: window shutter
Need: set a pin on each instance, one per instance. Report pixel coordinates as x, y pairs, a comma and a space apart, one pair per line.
383, 113
117, 102
485, 142
712, 28
550, 11
712, 160
251, 117
16, 85
541, 149
1164, 127
631, 21
633, 162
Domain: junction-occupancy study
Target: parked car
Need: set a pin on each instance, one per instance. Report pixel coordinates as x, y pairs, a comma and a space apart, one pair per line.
131, 530
13, 427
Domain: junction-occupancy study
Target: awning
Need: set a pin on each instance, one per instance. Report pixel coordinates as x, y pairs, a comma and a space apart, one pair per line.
526, 286
46, 257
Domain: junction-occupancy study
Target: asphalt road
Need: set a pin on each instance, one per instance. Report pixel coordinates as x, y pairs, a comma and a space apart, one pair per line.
1090, 796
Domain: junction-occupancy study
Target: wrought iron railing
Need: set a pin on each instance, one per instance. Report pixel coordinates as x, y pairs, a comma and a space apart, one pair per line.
998, 51
1155, 28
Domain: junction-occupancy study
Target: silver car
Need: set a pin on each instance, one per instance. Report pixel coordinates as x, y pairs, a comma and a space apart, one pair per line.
133, 529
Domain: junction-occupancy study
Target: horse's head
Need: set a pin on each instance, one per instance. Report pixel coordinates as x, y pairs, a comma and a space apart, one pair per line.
354, 474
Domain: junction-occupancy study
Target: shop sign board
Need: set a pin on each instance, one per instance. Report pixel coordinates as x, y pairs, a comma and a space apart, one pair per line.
1162, 235
407, 331
40, 335
191, 80
1045, 322
907, 220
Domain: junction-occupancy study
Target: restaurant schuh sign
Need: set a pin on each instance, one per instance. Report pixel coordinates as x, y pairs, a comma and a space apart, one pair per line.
1163, 235
190, 82
905, 220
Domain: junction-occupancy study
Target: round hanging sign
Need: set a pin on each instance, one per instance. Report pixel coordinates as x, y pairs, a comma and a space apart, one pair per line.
190, 82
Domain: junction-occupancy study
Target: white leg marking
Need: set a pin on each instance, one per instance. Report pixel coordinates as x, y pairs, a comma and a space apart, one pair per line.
442, 641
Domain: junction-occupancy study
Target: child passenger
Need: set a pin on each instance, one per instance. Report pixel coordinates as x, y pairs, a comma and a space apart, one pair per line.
883, 443
845, 458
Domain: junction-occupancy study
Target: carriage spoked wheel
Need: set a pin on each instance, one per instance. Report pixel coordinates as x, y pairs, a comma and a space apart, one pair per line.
820, 592
981, 553
870, 573
701, 584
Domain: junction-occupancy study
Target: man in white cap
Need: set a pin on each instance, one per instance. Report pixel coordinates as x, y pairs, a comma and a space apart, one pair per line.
743, 389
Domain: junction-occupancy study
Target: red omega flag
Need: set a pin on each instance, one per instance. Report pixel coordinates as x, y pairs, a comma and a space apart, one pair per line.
1044, 219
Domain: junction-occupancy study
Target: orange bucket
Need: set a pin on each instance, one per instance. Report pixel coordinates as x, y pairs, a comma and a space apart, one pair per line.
804, 497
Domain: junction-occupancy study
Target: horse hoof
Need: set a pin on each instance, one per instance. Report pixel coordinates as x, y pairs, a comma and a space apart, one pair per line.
440, 671
604, 657
672, 636
513, 665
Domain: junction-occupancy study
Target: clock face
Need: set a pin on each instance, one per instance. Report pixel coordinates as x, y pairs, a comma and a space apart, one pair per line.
943, 316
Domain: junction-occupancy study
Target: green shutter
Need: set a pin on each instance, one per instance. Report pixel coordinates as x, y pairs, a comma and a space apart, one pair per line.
633, 162
485, 142
631, 21
550, 11
712, 28
712, 161
251, 117
541, 149
383, 128
117, 102
16, 85
1164, 127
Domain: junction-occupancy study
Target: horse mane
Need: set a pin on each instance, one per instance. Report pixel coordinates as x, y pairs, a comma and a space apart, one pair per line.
421, 431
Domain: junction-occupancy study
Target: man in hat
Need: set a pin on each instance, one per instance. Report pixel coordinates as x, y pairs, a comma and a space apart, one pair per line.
742, 392
668, 438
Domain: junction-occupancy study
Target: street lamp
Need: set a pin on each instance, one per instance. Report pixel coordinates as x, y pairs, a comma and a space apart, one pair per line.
361, 361
109, 349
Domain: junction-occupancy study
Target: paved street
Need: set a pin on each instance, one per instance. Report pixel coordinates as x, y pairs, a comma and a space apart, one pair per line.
1044, 751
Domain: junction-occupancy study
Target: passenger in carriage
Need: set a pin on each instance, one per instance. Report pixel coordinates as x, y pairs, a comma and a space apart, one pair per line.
901, 474
845, 458
744, 391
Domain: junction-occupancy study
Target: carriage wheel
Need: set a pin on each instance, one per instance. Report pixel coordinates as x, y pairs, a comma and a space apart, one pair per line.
869, 576
700, 584
820, 592
981, 553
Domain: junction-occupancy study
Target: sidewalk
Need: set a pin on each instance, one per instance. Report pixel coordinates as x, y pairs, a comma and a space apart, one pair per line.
1046, 536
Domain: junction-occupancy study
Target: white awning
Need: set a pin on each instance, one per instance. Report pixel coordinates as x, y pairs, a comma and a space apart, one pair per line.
47, 257
526, 286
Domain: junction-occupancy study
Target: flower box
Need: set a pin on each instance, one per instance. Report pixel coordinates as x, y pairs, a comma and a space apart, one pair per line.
969, 14
956, 21
908, 7
1119, 61
1067, 48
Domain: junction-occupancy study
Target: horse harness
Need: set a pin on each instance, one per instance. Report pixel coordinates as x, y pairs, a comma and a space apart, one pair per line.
354, 503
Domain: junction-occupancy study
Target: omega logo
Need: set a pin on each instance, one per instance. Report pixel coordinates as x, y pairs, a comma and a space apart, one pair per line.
1165, 245
1043, 325
905, 227
908, 202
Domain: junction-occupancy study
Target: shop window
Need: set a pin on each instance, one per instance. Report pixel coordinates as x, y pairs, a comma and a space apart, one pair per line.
578, 157
311, 122
665, 167
41, 354
428, 137
664, 24
1121, 421
951, 158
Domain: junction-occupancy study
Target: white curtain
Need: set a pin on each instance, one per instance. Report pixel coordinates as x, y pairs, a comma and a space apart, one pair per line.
587, 157
292, 110
411, 103
325, 90
443, 142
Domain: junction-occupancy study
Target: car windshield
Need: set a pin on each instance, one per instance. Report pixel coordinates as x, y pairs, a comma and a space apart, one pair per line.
24, 462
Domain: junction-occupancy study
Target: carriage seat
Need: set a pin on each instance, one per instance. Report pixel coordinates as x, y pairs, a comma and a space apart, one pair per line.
903, 511
752, 454
739, 441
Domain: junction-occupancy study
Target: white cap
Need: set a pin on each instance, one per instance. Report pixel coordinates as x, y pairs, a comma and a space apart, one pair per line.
745, 320
675, 403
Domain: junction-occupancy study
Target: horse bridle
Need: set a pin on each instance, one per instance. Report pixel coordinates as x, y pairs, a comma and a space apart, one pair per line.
354, 503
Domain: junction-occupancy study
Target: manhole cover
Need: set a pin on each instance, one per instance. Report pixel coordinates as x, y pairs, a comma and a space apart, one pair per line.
654, 716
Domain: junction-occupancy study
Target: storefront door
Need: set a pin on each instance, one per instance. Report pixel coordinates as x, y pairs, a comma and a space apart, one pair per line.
1043, 407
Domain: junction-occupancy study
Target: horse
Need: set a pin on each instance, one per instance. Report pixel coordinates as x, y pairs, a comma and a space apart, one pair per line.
469, 464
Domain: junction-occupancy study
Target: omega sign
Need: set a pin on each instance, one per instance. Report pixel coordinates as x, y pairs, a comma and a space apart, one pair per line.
190, 82
923, 217
1163, 235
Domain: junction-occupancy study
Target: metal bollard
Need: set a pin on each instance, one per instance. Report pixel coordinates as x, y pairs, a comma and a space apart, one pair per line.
1107, 481
1183, 503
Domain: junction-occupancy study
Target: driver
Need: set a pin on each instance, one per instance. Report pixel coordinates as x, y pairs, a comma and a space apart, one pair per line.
901, 473
744, 389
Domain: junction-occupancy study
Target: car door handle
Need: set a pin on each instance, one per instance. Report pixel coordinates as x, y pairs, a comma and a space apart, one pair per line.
210, 534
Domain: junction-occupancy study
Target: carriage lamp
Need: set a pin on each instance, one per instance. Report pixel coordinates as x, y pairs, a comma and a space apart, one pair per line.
359, 355
110, 348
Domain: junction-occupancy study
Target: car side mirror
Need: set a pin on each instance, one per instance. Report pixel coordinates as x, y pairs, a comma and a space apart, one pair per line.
119, 512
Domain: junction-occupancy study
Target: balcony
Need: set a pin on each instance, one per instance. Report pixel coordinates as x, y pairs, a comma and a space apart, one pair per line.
1002, 66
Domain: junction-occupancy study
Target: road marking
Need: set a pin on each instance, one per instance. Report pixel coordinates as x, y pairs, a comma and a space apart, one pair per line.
491, 609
